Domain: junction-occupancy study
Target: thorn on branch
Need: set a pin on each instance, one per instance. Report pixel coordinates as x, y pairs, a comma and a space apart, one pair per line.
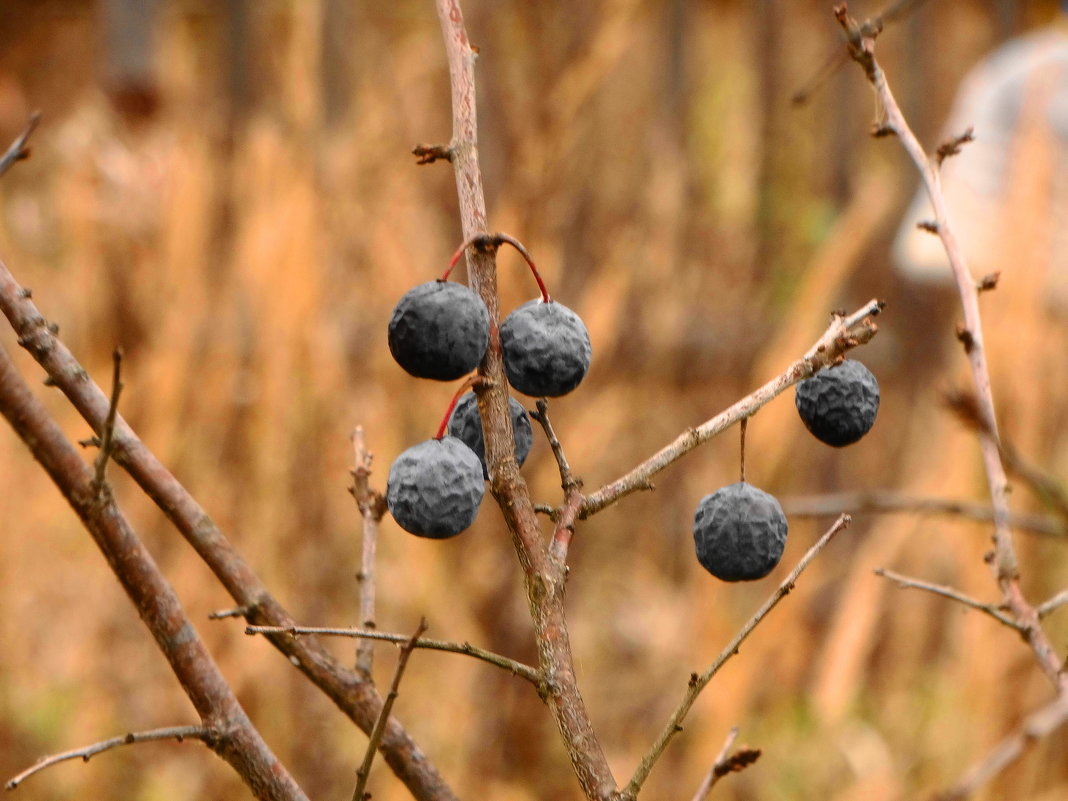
880, 130
428, 154
738, 761
19, 151
952, 146
930, 226
966, 338
989, 282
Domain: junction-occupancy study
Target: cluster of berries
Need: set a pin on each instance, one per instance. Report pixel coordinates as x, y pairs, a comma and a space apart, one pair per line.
739, 530
440, 330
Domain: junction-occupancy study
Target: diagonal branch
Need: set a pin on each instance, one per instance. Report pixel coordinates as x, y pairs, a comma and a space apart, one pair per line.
699, 682
18, 149
906, 582
232, 735
179, 733
843, 334
465, 648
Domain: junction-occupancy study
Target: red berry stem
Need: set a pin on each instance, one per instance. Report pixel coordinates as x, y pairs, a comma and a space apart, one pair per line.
526, 256
466, 385
495, 241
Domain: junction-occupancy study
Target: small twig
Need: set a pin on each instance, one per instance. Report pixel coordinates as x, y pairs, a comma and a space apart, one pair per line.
741, 442
843, 334
372, 505
511, 665
1054, 603
237, 611
380, 725
178, 733
890, 502
107, 435
725, 763
565, 515
18, 150
541, 415
1037, 725
428, 154
699, 682
906, 582
953, 145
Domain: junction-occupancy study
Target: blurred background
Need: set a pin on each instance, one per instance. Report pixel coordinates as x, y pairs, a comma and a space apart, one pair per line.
226, 190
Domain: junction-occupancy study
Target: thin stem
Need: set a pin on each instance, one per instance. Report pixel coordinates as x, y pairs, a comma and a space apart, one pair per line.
466, 385
699, 682
465, 648
726, 763
1053, 604
741, 442
843, 334
906, 582
891, 502
484, 241
372, 506
379, 729
18, 150
530, 263
179, 733
107, 439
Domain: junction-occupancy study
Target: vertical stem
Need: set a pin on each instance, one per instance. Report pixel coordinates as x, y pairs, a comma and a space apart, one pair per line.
544, 579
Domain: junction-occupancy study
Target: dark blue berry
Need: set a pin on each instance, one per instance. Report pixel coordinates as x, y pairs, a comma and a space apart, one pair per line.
740, 532
466, 424
838, 404
546, 349
439, 330
435, 488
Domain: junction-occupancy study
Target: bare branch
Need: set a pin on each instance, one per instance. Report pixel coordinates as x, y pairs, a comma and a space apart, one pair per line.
699, 682
18, 149
1004, 562
726, 763
906, 582
1037, 725
843, 334
465, 648
372, 505
891, 502
565, 515
179, 733
375, 739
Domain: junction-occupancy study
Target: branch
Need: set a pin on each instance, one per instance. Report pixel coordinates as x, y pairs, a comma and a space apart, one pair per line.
18, 150
1054, 603
352, 694
905, 582
564, 517
179, 733
843, 334
375, 739
232, 735
372, 506
512, 666
1004, 562
699, 682
890, 502
1037, 725
107, 441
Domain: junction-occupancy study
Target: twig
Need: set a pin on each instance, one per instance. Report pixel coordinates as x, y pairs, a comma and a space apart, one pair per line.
1004, 563
380, 725
511, 665
348, 690
890, 502
906, 582
699, 682
236, 611
18, 150
1037, 725
726, 763
179, 733
1054, 603
742, 425
843, 334
372, 506
564, 516
107, 438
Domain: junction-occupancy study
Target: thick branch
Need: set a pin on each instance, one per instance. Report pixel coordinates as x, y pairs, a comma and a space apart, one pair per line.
512, 666
843, 334
178, 733
356, 697
699, 682
232, 735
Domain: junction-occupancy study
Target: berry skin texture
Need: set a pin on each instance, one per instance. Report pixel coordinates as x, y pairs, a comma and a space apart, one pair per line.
466, 424
435, 488
439, 330
838, 404
740, 532
546, 349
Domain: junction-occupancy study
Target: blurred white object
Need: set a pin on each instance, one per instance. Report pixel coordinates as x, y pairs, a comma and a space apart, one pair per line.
1007, 192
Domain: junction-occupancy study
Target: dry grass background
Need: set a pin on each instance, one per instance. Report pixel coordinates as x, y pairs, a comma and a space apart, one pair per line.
245, 245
